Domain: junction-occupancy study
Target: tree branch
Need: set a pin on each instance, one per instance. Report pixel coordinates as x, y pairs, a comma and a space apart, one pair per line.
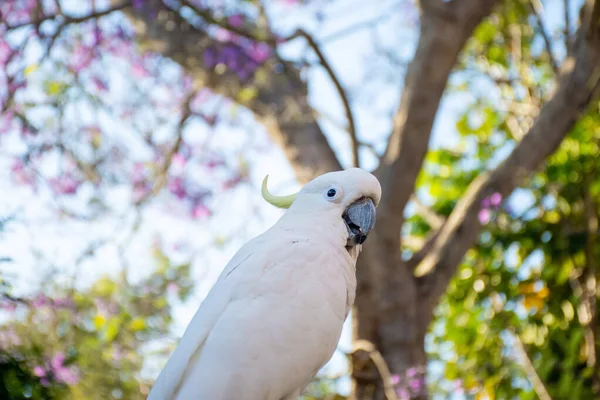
443, 33
162, 175
433, 219
380, 364
537, 7
340, 90
281, 101
567, 20
578, 86
528, 367
268, 38
67, 20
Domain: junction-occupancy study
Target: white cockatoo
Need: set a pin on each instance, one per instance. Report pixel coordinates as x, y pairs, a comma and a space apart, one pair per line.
275, 314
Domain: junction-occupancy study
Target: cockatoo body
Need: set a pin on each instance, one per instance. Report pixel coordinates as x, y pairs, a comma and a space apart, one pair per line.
275, 315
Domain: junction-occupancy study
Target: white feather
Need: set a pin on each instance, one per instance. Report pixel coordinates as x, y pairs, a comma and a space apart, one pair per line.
275, 315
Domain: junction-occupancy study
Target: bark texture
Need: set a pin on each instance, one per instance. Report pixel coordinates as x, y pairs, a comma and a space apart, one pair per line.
395, 298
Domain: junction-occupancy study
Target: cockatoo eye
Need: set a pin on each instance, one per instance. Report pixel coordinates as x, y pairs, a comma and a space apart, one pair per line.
332, 193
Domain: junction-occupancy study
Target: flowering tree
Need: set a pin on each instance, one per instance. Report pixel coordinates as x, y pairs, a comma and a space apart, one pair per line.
106, 100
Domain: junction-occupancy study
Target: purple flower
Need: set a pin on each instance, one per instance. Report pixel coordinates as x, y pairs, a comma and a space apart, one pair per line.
416, 385
172, 288
65, 302
82, 58
495, 199
64, 184
39, 301
39, 371
223, 35
210, 58
57, 361
395, 379
485, 203
8, 306
137, 4
484, 216
260, 52
62, 373
5, 51
66, 375
403, 394
176, 187
200, 211
236, 20
99, 84
139, 70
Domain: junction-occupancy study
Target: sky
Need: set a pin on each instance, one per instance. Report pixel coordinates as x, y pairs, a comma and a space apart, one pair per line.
374, 88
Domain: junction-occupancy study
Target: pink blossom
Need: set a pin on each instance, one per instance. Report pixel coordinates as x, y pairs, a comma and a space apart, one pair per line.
58, 360
67, 375
64, 184
5, 51
417, 384
223, 35
495, 199
9, 338
97, 35
403, 394
40, 301
484, 216
99, 84
395, 379
16, 85
176, 187
485, 203
7, 121
260, 52
8, 306
212, 164
179, 160
62, 373
82, 58
39, 371
232, 182
139, 70
65, 302
172, 288
200, 211
117, 353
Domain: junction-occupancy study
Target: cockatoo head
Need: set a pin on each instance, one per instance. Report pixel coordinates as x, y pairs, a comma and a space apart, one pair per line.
350, 196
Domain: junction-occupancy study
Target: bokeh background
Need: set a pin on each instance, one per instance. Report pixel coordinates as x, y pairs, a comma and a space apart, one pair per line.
134, 135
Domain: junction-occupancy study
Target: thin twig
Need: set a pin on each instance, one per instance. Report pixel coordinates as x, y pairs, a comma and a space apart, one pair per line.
537, 8
69, 19
351, 124
567, 17
162, 174
528, 367
380, 364
433, 219
589, 285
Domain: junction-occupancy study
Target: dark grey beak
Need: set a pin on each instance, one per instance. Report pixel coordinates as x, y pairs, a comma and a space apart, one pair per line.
360, 220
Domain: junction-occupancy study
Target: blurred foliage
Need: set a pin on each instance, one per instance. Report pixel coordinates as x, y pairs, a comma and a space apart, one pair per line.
88, 343
526, 294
